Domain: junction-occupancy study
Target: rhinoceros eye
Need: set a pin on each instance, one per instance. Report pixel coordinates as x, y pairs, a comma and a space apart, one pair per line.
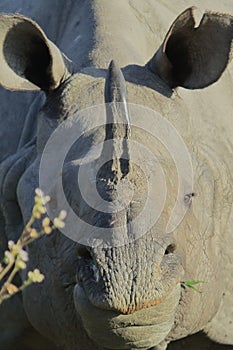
188, 198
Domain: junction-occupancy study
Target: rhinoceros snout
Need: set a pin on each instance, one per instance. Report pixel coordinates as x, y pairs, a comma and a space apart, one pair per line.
123, 280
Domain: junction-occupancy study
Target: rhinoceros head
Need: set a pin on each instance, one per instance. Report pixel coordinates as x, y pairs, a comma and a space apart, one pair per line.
125, 286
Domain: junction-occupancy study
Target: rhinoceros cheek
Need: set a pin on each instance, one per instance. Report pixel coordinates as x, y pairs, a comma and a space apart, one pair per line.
140, 330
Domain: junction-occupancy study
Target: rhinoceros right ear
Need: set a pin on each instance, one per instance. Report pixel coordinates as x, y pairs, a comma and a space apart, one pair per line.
196, 49
28, 60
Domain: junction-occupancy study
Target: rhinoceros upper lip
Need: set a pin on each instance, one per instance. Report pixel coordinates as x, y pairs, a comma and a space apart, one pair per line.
87, 280
126, 311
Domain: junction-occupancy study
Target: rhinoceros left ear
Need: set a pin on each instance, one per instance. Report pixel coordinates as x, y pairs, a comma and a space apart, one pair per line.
196, 49
28, 60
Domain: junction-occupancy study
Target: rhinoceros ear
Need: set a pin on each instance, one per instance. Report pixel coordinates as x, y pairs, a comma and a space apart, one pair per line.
28, 60
196, 49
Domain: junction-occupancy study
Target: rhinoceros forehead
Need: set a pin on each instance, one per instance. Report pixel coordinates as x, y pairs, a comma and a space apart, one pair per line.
84, 90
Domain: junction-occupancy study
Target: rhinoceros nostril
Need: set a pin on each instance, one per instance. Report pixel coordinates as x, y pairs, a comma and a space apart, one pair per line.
170, 249
83, 252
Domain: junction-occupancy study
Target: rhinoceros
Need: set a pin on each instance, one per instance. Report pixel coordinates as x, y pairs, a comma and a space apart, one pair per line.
131, 291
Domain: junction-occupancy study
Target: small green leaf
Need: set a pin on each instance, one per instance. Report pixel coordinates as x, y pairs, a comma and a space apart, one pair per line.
192, 283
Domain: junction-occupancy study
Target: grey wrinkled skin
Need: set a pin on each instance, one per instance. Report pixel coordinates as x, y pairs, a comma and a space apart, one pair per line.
127, 297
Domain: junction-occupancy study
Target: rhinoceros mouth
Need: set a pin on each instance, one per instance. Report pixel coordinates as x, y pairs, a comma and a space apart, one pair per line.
141, 329
103, 292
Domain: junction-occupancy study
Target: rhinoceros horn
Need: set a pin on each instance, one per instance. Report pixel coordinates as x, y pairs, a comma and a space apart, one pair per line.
117, 124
